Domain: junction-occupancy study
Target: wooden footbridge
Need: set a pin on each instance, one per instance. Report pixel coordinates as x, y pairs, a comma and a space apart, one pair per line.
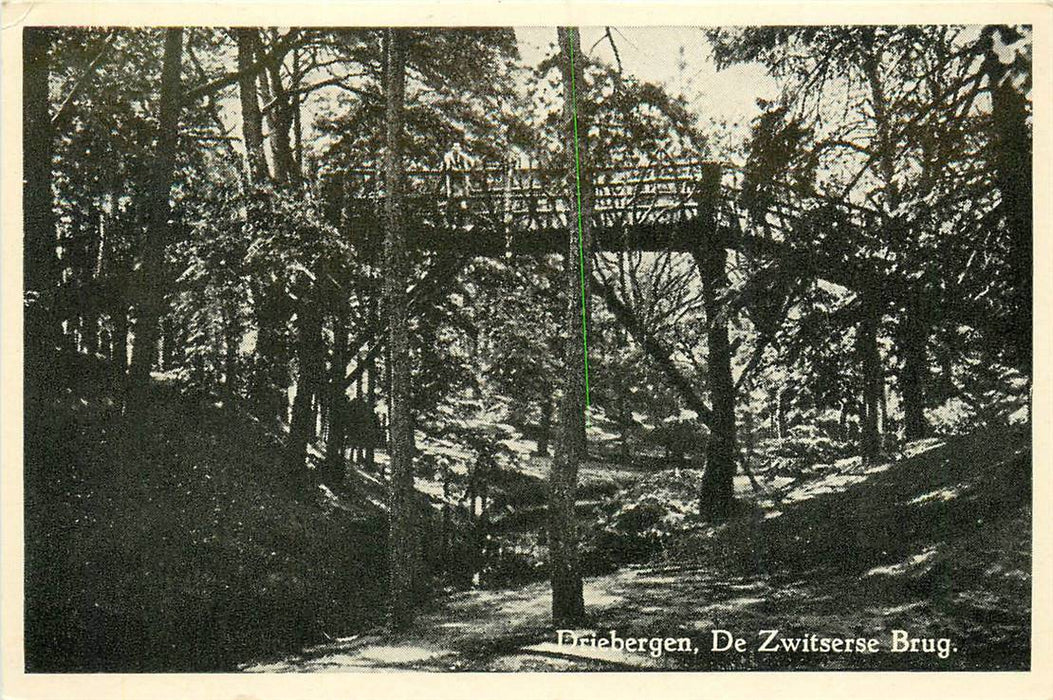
676, 206
492, 210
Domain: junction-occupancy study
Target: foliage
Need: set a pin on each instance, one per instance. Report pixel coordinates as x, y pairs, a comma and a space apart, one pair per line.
885, 185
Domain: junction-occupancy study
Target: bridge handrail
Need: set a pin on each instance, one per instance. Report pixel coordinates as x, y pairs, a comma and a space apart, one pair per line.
629, 193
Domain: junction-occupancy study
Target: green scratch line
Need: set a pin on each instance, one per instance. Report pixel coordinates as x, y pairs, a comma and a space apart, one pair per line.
581, 221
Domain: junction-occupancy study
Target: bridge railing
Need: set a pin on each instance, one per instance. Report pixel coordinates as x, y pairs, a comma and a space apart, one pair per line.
531, 198
520, 200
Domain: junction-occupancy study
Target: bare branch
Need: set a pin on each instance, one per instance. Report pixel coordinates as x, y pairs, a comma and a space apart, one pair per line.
281, 47
64, 107
614, 47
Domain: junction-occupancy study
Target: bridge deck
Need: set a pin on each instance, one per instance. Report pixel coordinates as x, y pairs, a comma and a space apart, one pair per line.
662, 207
497, 210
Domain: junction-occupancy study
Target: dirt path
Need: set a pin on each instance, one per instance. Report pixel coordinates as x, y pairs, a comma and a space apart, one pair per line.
855, 553
510, 630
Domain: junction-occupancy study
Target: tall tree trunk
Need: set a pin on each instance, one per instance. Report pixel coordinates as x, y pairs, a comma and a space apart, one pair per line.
95, 242
870, 358
717, 482
75, 245
387, 420
371, 404
294, 106
338, 405
119, 319
309, 359
1012, 164
251, 117
280, 117
782, 408
231, 341
568, 604
400, 539
157, 212
42, 329
266, 95
912, 380
167, 342
626, 419
869, 326
545, 429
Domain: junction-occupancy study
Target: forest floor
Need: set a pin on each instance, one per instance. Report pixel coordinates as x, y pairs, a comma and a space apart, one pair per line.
935, 543
177, 543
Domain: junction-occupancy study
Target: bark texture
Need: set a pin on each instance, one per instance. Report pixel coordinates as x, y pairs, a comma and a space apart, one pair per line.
38, 220
717, 486
568, 604
157, 213
400, 539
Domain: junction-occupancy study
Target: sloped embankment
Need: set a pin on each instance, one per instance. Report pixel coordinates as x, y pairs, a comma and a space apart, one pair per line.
179, 544
936, 544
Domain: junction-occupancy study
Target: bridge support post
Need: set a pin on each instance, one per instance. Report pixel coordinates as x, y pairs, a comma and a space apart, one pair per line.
711, 257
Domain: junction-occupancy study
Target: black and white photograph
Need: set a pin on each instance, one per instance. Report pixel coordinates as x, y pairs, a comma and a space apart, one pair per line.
525, 349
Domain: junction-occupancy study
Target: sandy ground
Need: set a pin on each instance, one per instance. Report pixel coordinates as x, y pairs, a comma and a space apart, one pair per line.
856, 552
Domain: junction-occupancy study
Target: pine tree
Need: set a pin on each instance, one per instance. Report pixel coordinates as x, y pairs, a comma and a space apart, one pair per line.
400, 446
158, 211
568, 605
41, 279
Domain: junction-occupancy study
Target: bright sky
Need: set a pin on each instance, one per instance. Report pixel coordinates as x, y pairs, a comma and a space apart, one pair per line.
676, 57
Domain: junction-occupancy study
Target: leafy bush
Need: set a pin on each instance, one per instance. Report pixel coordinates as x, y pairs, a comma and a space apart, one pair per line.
636, 521
804, 447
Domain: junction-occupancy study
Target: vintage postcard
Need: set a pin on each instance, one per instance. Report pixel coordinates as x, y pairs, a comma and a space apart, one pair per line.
437, 349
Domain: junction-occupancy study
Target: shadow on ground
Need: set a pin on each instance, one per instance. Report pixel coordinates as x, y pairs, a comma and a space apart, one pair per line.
936, 544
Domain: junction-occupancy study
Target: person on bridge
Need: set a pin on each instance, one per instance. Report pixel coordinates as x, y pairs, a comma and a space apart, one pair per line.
456, 183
